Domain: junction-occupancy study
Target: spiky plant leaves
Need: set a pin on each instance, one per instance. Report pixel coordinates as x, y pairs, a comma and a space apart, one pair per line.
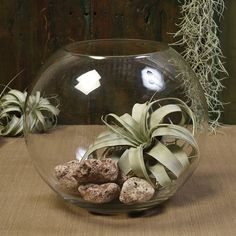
154, 147
42, 114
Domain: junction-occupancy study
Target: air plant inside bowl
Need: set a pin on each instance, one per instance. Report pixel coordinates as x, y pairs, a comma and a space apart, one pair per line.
137, 155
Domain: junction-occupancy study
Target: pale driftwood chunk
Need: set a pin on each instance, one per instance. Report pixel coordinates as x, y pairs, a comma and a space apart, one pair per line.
136, 190
96, 171
99, 193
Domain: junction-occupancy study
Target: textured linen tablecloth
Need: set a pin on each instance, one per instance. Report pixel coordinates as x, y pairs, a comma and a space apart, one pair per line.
205, 205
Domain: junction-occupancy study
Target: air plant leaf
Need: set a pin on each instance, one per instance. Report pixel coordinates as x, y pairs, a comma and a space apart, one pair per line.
120, 131
111, 141
128, 125
179, 154
160, 174
42, 114
123, 163
154, 146
165, 157
137, 162
139, 113
12, 127
158, 116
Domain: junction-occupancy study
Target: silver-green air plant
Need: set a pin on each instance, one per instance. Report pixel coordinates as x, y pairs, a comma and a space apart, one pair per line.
42, 114
155, 144
198, 35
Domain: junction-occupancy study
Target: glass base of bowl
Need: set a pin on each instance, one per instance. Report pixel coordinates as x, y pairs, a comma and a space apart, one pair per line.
116, 207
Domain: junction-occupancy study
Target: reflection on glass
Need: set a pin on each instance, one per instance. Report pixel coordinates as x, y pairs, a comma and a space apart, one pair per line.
88, 82
152, 79
141, 56
79, 153
97, 57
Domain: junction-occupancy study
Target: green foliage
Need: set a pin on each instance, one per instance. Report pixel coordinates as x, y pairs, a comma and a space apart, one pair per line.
42, 114
154, 147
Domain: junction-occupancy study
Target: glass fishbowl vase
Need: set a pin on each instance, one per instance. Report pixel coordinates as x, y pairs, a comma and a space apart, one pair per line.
129, 124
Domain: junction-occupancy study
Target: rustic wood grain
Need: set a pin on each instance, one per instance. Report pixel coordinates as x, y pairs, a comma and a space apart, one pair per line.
153, 19
30, 31
206, 205
228, 42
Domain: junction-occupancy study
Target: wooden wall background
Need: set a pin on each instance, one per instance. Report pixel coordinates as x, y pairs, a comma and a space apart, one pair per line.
31, 30
228, 38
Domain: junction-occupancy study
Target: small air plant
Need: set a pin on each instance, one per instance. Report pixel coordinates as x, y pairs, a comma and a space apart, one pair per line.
42, 114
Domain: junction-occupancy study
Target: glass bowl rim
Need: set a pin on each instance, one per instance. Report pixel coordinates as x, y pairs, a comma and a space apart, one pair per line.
156, 47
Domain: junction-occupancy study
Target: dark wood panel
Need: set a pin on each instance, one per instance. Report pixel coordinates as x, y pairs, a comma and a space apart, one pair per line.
151, 19
30, 30
228, 42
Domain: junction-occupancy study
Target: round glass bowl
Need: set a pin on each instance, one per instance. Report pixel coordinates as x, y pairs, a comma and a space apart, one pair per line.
88, 80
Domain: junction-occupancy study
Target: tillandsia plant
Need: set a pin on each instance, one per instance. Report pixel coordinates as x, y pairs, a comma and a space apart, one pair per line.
198, 33
153, 142
42, 115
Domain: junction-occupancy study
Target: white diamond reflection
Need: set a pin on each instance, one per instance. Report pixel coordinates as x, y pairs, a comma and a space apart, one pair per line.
88, 82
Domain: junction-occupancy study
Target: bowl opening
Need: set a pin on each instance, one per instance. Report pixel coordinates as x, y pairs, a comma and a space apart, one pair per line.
100, 48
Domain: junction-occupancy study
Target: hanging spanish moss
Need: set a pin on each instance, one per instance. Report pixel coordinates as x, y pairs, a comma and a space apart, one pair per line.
198, 33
